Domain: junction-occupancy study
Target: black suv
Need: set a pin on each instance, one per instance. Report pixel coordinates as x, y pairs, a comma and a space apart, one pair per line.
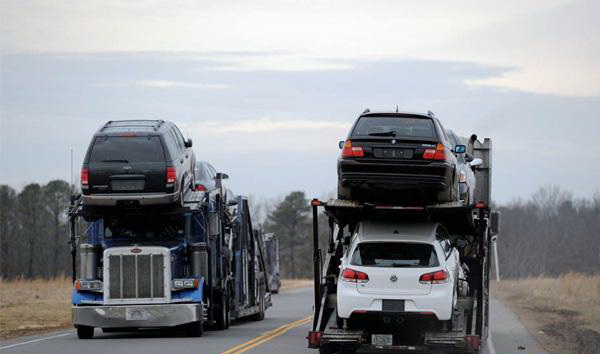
398, 157
137, 162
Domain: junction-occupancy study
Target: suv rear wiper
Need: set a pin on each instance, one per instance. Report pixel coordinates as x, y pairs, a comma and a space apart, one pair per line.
390, 133
116, 160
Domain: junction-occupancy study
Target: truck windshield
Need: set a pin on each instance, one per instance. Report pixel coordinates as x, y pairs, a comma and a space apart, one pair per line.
395, 126
127, 149
394, 254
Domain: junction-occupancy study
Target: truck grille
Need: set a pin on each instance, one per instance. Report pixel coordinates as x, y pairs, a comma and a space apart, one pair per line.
135, 276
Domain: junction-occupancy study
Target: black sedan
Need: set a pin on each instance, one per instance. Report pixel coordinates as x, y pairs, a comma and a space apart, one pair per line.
399, 158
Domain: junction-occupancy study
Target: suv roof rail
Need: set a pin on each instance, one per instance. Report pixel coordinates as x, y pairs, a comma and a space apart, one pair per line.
430, 113
366, 111
156, 126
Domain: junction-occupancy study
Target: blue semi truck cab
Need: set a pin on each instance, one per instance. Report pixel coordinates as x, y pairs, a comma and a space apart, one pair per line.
185, 268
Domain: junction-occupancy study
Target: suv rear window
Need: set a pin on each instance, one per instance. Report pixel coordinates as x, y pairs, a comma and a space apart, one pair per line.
127, 149
394, 254
400, 126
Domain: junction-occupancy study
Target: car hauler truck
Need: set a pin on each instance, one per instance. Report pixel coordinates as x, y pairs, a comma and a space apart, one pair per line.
471, 227
186, 267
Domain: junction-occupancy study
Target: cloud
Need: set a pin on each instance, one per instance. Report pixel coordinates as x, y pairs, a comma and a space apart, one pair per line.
553, 44
178, 84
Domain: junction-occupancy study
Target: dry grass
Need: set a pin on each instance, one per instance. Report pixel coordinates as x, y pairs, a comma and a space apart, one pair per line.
34, 306
288, 284
563, 313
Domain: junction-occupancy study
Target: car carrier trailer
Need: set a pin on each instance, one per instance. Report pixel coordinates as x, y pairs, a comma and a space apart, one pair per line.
186, 267
472, 226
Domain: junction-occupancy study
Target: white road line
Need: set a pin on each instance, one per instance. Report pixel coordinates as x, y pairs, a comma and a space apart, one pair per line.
35, 340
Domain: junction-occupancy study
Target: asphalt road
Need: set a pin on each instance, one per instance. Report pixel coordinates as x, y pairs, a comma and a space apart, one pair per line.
283, 331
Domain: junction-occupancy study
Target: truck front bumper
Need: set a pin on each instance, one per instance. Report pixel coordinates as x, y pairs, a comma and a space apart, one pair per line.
140, 316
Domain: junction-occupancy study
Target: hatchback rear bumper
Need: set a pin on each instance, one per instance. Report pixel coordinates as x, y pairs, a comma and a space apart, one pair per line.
138, 198
437, 302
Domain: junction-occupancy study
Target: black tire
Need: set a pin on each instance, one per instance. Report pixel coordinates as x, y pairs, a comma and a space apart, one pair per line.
344, 192
261, 312
222, 315
85, 332
195, 329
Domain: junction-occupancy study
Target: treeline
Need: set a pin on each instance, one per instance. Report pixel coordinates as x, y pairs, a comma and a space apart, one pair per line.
550, 234
33, 231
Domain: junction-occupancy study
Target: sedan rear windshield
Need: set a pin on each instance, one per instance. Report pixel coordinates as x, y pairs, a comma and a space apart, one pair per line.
395, 126
127, 149
394, 254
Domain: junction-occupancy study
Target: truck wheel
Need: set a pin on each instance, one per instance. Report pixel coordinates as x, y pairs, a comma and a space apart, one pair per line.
261, 312
195, 329
221, 320
85, 332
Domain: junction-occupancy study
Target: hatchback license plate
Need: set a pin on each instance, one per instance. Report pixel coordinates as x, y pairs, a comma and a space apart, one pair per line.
133, 185
393, 153
381, 339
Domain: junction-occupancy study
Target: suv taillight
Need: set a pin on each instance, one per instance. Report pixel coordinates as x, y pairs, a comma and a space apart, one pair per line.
171, 175
437, 277
85, 176
439, 153
352, 151
354, 276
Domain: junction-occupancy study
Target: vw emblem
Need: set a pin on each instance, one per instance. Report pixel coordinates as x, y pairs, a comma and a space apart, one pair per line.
393, 141
393, 278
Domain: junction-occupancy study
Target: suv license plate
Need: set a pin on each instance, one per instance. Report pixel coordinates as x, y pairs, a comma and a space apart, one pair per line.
381, 339
133, 314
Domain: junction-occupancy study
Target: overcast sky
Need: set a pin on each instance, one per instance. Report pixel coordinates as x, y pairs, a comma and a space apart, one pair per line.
266, 89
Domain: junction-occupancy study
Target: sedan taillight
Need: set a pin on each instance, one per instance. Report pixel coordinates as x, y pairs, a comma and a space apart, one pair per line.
352, 151
354, 276
438, 277
171, 175
439, 153
200, 188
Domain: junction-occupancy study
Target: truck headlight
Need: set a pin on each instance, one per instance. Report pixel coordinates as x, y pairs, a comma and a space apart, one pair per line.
179, 284
88, 285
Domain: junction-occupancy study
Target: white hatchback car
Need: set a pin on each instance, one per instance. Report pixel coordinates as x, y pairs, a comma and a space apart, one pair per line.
399, 269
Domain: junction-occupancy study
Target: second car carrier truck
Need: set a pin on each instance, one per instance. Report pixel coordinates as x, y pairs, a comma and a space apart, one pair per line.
470, 228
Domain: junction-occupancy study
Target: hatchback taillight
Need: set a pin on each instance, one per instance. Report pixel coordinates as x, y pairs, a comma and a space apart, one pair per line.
85, 176
354, 276
200, 188
171, 175
438, 277
352, 151
439, 153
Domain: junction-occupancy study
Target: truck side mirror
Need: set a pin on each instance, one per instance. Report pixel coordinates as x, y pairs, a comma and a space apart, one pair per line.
188, 143
221, 175
341, 144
